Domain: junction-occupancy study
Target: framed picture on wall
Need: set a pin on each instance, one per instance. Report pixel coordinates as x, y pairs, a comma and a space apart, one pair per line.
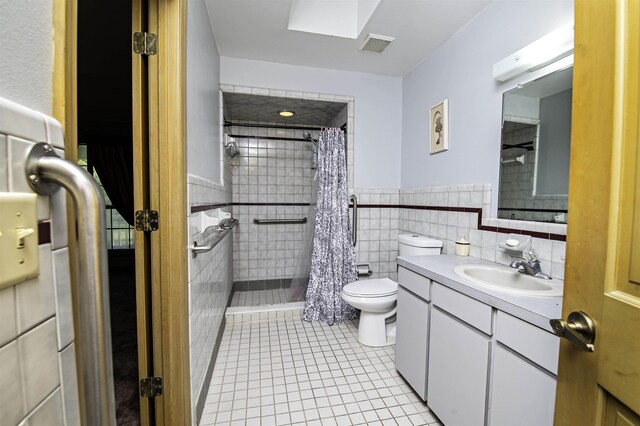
438, 127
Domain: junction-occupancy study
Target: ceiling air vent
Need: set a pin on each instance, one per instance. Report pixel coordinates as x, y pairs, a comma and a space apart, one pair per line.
375, 43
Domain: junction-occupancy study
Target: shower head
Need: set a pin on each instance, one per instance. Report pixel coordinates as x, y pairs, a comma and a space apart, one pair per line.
231, 149
307, 136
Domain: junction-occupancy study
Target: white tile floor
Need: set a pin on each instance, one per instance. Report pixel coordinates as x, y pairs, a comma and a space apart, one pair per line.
259, 297
289, 371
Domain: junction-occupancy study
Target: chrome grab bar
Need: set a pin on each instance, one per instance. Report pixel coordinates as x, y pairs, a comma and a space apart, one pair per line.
46, 172
279, 221
223, 230
354, 224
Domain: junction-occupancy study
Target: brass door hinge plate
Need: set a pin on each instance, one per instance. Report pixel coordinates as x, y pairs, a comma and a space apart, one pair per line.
145, 43
150, 387
146, 220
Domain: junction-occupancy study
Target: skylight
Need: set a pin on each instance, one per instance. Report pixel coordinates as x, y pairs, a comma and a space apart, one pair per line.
338, 18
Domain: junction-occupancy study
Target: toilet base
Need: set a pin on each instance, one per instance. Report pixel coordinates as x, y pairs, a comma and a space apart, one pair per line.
374, 331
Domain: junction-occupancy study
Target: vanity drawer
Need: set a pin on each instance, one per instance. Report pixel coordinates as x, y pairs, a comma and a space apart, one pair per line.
534, 343
415, 283
469, 310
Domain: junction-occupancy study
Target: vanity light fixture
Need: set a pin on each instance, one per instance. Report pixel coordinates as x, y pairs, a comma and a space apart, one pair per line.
544, 51
286, 113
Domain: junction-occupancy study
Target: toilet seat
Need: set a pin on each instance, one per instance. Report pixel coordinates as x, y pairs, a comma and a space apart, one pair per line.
371, 288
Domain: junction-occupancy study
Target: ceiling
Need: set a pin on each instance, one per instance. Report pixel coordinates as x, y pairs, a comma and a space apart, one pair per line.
240, 107
257, 29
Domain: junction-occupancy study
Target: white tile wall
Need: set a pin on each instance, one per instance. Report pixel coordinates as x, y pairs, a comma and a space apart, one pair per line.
35, 298
64, 312
267, 251
210, 281
68, 375
39, 362
447, 226
274, 171
378, 232
49, 412
8, 323
11, 408
270, 171
36, 327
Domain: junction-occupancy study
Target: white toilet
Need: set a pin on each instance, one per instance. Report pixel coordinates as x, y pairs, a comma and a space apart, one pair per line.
376, 299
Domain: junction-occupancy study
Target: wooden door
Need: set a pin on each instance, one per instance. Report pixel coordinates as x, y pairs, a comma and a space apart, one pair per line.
603, 241
166, 83
141, 184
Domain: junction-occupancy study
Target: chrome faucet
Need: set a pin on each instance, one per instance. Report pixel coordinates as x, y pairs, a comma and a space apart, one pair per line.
530, 265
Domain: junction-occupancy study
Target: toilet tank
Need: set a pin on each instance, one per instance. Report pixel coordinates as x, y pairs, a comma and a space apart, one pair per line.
418, 245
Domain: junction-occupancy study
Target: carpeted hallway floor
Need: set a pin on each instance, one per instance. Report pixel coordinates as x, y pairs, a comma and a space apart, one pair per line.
122, 292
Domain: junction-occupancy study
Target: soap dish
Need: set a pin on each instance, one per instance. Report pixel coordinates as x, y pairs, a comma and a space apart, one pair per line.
516, 242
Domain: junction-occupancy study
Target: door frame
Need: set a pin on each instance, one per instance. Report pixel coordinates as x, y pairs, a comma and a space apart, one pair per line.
167, 192
144, 294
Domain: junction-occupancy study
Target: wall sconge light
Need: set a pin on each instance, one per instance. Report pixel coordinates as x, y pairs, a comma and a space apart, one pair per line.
542, 52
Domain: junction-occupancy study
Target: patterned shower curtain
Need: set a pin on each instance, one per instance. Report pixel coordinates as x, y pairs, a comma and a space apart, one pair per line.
333, 262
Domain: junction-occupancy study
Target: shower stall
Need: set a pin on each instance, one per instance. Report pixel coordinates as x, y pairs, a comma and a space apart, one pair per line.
273, 166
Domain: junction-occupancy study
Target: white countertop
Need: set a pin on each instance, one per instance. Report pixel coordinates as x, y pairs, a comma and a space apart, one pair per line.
535, 310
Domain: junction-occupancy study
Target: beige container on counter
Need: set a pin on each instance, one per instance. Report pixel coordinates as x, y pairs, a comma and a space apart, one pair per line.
462, 246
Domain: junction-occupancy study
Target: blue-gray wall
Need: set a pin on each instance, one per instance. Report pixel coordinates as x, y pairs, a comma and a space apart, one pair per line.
461, 70
203, 102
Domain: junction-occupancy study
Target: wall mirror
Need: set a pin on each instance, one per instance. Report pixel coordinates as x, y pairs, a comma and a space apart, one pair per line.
535, 148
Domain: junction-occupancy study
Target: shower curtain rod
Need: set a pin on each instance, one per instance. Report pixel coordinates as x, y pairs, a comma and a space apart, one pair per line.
275, 126
274, 138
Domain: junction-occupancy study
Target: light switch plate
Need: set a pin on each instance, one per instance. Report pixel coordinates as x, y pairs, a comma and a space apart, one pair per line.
18, 257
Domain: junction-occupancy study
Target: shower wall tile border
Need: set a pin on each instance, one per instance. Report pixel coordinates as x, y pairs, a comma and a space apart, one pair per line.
483, 223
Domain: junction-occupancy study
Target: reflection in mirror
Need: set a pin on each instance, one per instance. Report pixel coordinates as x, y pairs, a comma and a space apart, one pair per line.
536, 142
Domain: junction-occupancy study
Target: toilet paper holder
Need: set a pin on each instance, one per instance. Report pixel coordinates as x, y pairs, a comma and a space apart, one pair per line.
364, 270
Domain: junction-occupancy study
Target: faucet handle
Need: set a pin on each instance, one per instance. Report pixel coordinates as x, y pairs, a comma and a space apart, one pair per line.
530, 255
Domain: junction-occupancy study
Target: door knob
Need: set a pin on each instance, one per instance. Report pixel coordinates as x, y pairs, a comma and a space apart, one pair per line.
579, 329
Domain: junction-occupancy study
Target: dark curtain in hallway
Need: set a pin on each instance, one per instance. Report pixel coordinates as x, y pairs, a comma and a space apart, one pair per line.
114, 165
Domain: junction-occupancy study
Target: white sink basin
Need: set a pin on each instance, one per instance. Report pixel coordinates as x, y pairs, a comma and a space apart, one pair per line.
509, 280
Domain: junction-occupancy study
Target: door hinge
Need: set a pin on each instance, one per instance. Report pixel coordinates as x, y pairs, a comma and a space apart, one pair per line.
146, 220
145, 43
150, 387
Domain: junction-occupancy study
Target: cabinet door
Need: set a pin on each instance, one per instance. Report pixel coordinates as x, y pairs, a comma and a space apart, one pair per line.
412, 339
521, 394
458, 366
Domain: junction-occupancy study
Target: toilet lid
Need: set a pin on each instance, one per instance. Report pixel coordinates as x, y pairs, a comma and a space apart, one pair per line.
371, 288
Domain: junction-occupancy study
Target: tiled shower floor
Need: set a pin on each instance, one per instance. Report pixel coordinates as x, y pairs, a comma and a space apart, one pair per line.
289, 371
259, 297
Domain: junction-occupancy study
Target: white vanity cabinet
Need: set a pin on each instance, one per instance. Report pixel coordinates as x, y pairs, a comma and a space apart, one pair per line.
459, 348
474, 363
521, 393
413, 329
523, 383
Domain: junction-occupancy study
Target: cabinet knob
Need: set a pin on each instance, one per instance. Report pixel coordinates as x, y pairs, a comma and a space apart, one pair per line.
579, 329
